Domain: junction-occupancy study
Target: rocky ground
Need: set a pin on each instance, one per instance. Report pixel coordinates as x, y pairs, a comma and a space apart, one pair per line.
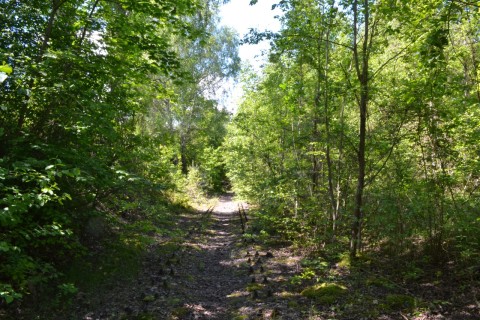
212, 271
212, 274
216, 273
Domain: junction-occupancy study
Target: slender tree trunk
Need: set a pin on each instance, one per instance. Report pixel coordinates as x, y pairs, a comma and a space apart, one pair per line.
315, 162
361, 66
183, 155
339, 176
331, 192
358, 213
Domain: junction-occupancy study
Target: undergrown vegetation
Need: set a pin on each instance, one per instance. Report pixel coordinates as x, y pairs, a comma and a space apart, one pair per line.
358, 134
103, 124
374, 284
356, 147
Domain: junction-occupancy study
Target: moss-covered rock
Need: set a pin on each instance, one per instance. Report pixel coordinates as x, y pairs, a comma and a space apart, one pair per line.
326, 293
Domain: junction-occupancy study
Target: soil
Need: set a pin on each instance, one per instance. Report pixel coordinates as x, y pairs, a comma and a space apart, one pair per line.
212, 274
215, 272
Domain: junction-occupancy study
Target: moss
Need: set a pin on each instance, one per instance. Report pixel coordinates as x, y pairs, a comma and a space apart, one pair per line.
168, 248
326, 293
345, 261
236, 294
286, 294
254, 286
149, 298
174, 301
372, 313
379, 282
400, 302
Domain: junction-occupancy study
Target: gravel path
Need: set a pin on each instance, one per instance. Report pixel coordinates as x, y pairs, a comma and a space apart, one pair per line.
219, 275
227, 277
210, 273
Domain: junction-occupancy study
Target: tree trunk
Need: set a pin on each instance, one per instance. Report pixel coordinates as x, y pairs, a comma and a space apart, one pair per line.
331, 192
362, 75
183, 155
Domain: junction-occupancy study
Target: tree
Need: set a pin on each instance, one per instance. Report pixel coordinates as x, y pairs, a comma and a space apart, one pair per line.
68, 122
365, 101
195, 122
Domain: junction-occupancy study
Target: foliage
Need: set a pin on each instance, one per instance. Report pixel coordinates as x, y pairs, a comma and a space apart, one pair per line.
192, 118
363, 126
307, 274
195, 185
8, 294
87, 151
359, 135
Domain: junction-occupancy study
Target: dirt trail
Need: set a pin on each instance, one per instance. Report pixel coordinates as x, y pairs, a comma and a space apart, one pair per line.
210, 269
206, 269
205, 275
222, 276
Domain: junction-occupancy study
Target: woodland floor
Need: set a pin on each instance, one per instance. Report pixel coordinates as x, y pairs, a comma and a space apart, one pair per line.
213, 273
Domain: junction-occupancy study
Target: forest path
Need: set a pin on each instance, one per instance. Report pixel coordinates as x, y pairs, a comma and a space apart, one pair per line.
209, 271
204, 274
218, 265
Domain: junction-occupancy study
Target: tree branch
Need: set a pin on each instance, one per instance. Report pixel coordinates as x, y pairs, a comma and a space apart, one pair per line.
84, 31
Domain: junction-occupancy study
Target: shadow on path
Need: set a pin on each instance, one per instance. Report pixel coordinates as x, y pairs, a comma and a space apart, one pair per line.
207, 273
211, 272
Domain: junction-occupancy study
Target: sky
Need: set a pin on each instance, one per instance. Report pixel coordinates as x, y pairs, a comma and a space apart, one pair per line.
241, 16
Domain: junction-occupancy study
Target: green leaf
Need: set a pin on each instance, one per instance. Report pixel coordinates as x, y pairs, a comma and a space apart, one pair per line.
4, 247
6, 68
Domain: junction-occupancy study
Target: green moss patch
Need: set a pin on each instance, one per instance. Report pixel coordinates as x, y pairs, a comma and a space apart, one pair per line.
149, 298
254, 286
400, 302
326, 293
379, 282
